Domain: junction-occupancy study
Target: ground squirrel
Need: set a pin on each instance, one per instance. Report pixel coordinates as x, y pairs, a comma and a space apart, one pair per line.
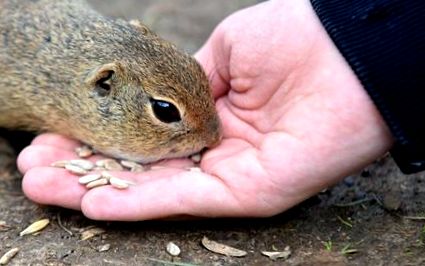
112, 84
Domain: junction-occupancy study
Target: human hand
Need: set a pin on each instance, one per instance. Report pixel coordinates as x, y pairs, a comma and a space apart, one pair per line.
295, 121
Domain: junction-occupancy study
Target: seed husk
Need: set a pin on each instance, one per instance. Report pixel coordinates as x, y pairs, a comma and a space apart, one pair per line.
118, 183
173, 249
104, 248
35, 227
222, 249
4, 226
97, 183
196, 158
75, 169
60, 164
85, 164
84, 180
84, 151
89, 233
5, 259
274, 255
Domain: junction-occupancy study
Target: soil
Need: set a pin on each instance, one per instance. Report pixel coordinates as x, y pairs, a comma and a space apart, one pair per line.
375, 217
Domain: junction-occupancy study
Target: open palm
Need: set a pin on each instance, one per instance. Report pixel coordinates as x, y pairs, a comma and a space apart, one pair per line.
295, 120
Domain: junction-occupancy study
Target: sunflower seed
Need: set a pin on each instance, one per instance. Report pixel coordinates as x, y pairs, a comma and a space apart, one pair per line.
97, 183
173, 249
35, 227
110, 164
130, 164
100, 163
196, 158
195, 169
60, 164
84, 151
84, 180
85, 164
8, 256
118, 183
222, 249
106, 175
75, 169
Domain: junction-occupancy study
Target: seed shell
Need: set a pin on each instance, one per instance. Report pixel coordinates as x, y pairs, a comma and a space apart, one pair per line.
5, 259
104, 248
60, 164
129, 164
195, 169
84, 180
274, 255
196, 158
222, 249
84, 151
110, 164
173, 249
97, 183
75, 169
137, 169
118, 183
85, 164
89, 233
35, 227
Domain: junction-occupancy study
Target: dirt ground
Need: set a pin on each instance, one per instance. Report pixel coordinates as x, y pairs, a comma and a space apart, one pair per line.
373, 218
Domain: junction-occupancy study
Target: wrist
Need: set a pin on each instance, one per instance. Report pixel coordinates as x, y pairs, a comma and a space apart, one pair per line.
325, 71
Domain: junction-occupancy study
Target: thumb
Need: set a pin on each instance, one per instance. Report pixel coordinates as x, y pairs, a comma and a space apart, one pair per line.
214, 59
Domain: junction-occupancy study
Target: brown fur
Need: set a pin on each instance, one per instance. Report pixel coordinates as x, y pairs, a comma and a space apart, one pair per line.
53, 52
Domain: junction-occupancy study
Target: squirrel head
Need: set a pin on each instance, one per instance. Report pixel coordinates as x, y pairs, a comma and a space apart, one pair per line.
153, 104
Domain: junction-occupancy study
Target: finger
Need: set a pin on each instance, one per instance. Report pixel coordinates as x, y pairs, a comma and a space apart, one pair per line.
53, 186
161, 196
215, 64
52, 139
44, 155
38, 155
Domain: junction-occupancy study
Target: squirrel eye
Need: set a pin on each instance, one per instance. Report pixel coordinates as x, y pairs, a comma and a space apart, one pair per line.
103, 85
165, 111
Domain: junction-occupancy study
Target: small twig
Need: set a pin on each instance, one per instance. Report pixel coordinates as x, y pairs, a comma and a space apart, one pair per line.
170, 262
62, 226
344, 221
353, 203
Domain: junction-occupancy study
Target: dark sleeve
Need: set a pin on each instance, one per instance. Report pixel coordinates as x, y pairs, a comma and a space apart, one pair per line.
384, 43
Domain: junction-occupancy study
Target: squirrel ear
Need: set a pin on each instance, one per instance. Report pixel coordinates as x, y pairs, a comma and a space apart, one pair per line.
100, 79
140, 26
